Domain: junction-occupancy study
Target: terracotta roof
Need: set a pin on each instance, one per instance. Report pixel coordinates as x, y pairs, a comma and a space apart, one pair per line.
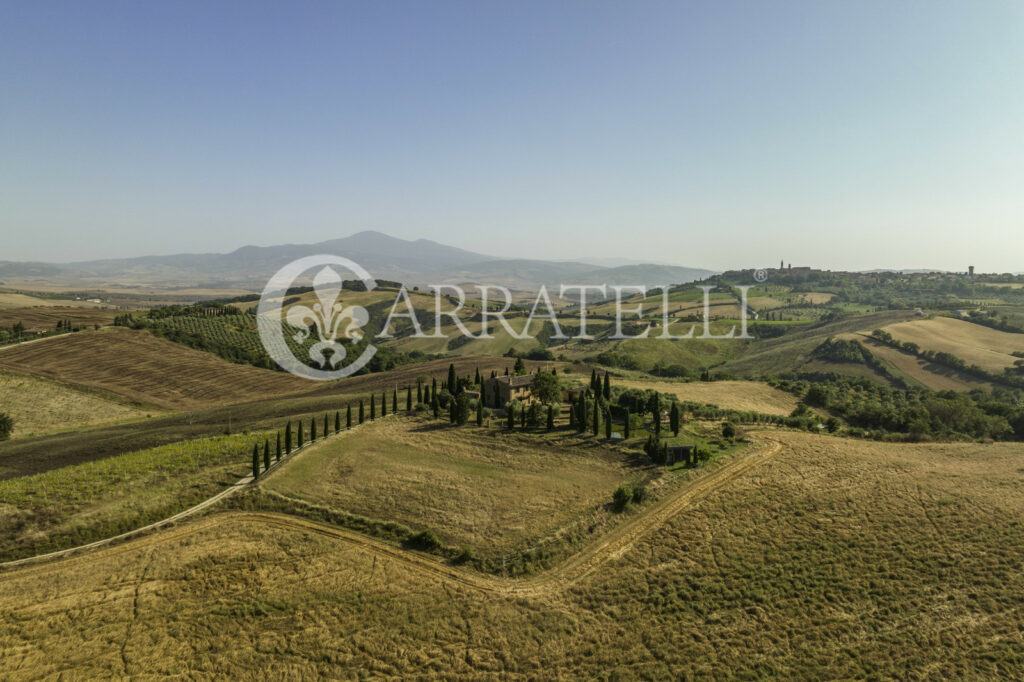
521, 380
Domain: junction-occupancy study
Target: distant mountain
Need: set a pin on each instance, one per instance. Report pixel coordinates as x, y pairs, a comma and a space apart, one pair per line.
417, 262
617, 262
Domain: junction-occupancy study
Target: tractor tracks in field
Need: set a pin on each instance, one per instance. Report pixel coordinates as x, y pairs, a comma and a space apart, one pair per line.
612, 545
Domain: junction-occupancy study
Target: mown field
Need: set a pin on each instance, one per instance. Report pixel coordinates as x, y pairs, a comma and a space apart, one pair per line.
486, 488
39, 406
831, 559
975, 344
730, 395
917, 370
139, 367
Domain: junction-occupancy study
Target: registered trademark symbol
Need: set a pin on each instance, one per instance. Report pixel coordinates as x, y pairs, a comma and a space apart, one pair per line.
761, 275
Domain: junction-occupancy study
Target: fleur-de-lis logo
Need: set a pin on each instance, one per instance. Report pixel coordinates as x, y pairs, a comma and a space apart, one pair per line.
331, 330
327, 317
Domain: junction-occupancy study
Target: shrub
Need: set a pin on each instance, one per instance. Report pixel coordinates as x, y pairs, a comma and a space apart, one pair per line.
622, 496
728, 430
425, 539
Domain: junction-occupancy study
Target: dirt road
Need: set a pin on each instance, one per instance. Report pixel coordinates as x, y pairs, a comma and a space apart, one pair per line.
611, 546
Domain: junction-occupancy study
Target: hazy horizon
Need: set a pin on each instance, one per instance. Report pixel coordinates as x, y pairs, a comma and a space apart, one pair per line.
853, 137
610, 262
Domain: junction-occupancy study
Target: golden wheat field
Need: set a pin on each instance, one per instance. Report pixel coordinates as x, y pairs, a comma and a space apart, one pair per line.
930, 375
40, 406
731, 395
138, 367
977, 345
830, 559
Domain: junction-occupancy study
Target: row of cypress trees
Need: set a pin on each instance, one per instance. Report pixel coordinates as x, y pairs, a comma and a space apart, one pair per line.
298, 438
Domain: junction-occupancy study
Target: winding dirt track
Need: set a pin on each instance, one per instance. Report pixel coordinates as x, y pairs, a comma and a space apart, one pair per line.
609, 547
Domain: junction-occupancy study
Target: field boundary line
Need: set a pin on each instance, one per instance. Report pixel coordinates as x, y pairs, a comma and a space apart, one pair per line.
240, 484
613, 545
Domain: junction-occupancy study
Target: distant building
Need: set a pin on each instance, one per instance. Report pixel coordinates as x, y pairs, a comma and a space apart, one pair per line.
571, 395
681, 453
503, 389
970, 271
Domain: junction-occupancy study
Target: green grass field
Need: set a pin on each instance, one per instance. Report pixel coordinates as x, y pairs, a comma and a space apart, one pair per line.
78, 504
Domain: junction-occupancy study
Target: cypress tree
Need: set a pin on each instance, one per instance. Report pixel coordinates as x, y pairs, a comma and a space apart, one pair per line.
433, 387
479, 413
673, 418
476, 379
373, 408
300, 433
383, 404
597, 418
427, 395
451, 378
607, 387
608, 426
326, 431
581, 414
394, 401
554, 370
408, 399
255, 461
266, 453
419, 392
288, 439
312, 429
277, 452
506, 371
593, 380
572, 416
348, 416
436, 406
451, 411
511, 417
625, 427
657, 414
337, 421
522, 418
551, 417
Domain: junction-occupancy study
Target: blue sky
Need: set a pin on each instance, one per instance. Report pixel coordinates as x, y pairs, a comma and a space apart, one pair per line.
717, 134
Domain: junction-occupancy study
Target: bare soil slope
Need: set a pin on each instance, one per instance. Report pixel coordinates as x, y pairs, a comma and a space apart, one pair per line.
141, 368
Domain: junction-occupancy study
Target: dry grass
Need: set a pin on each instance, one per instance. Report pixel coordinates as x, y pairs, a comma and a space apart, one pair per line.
832, 560
977, 345
484, 488
39, 406
731, 395
45, 318
12, 300
86, 502
142, 368
930, 375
